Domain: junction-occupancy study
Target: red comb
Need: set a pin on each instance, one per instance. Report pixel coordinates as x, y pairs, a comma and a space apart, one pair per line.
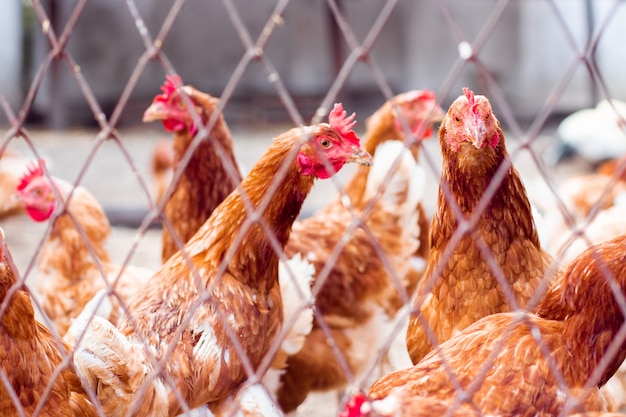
34, 170
343, 124
353, 407
414, 95
469, 94
169, 87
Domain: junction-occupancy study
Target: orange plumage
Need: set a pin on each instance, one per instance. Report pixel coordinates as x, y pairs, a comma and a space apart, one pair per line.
208, 176
74, 263
225, 280
30, 355
358, 297
501, 361
460, 285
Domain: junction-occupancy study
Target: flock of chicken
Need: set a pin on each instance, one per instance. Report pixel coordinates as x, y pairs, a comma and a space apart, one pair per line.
253, 309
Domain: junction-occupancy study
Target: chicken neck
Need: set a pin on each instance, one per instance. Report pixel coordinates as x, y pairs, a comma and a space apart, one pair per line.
508, 211
205, 181
255, 254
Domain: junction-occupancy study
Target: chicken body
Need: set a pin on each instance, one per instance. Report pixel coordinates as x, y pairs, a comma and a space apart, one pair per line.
30, 356
500, 361
70, 275
216, 306
460, 286
358, 294
359, 297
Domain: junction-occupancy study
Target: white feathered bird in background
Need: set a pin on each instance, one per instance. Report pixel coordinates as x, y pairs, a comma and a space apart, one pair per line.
595, 134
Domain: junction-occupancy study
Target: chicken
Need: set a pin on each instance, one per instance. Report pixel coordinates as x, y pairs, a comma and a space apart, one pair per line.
35, 376
358, 297
211, 172
590, 204
485, 254
12, 164
212, 312
74, 263
500, 362
420, 110
295, 275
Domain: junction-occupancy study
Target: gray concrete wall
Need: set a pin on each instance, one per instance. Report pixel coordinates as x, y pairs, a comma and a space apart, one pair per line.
527, 53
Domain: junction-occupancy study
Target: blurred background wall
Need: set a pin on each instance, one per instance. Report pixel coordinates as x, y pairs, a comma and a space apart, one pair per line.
526, 54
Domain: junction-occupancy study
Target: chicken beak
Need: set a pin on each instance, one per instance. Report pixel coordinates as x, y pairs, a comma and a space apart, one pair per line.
360, 156
156, 111
476, 134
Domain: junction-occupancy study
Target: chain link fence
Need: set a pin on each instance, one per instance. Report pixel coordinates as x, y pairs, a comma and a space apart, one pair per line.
445, 45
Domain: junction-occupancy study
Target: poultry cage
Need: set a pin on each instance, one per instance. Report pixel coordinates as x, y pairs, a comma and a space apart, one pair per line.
326, 208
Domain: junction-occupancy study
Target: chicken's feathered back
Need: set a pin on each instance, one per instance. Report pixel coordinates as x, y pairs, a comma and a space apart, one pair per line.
464, 285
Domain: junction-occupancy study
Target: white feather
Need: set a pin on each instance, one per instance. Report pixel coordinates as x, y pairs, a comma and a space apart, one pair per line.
296, 292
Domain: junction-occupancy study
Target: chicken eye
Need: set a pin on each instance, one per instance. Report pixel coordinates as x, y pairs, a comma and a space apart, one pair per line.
457, 119
325, 143
487, 117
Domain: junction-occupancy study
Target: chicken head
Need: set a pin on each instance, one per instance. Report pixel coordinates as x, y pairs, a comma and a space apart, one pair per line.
36, 193
329, 146
171, 108
471, 121
420, 109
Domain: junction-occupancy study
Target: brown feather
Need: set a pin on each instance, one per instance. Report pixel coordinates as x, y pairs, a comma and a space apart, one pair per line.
224, 283
575, 325
467, 289
30, 356
204, 182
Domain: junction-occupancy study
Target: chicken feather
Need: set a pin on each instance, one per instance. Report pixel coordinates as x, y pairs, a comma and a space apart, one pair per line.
30, 355
500, 361
70, 276
232, 258
461, 285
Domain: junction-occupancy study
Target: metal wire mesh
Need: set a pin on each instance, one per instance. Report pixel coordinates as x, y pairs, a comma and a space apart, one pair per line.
359, 51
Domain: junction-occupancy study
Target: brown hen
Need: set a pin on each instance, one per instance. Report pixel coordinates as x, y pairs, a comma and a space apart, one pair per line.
73, 268
500, 362
209, 174
460, 285
30, 356
216, 305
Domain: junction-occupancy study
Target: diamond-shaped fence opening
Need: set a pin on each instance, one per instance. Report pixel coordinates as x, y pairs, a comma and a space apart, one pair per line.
249, 318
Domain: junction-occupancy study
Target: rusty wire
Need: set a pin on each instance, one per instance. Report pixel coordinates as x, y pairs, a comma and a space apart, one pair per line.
359, 51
